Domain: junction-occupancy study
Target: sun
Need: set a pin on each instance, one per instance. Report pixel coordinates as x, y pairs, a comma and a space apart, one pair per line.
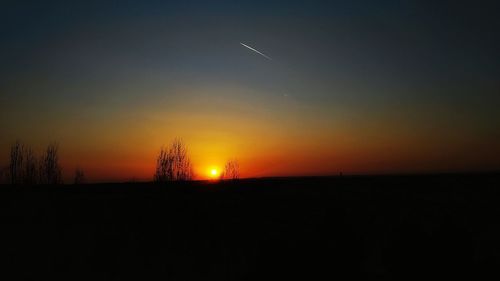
214, 173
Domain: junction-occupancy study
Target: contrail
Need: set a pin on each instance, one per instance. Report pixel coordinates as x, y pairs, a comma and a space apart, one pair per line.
256, 51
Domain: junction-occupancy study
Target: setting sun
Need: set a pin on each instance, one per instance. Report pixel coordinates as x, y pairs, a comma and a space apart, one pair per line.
214, 173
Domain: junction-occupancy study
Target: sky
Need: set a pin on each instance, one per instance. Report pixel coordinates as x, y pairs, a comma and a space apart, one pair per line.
358, 87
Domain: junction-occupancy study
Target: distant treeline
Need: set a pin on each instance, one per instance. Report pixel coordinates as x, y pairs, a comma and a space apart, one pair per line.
25, 167
28, 168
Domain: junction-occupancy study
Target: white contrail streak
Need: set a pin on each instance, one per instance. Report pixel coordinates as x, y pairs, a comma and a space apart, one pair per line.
244, 45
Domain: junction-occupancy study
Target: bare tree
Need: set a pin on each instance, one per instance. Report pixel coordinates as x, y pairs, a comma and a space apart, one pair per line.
16, 162
181, 168
50, 171
79, 176
30, 166
231, 170
163, 166
173, 164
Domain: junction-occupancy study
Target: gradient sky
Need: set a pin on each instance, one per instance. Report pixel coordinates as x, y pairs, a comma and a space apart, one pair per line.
353, 86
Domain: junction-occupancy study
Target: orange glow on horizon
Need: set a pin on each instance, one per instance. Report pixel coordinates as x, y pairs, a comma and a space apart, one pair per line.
309, 141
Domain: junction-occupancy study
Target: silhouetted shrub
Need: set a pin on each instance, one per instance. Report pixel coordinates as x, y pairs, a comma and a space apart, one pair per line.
173, 164
231, 170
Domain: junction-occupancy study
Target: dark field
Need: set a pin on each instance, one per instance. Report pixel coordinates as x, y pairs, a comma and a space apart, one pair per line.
405, 227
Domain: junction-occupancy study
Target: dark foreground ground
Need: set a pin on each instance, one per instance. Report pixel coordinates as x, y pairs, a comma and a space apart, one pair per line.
401, 228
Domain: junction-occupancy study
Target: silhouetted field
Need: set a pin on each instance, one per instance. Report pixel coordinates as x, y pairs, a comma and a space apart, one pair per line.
399, 227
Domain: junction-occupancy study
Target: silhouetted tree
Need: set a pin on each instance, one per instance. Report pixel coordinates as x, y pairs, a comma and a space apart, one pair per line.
173, 164
163, 164
50, 171
30, 166
231, 170
79, 176
16, 163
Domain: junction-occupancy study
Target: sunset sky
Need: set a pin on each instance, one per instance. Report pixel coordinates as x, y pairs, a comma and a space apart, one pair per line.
353, 86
